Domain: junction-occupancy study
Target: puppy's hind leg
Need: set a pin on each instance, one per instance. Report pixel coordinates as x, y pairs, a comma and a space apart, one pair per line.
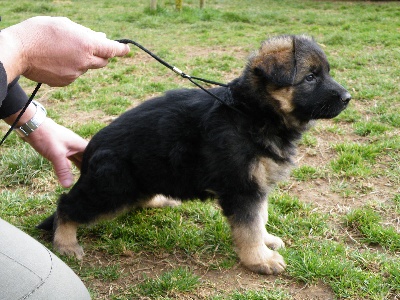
65, 240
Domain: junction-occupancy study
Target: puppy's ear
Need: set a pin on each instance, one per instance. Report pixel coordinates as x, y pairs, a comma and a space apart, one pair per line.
276, 61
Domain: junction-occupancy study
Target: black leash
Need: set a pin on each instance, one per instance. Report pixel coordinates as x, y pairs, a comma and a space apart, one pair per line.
183, 75
21, 113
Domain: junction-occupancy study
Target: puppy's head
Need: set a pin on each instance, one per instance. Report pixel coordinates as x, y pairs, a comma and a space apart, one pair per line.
291, 73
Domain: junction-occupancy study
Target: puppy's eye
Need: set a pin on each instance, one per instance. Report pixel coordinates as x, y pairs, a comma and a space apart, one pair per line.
310, 77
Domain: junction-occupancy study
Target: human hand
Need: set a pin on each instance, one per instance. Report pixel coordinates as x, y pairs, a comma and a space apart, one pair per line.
59, 145
54, 50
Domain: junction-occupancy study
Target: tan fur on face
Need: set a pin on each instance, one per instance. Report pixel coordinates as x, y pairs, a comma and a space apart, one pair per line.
284, 96
273, 50
275, 59
283, 103
277, 45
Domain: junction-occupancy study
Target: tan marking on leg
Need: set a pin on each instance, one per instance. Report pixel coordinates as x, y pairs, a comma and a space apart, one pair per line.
250, 245
65, 241
270, 240
160, 201
264, 211
267, 173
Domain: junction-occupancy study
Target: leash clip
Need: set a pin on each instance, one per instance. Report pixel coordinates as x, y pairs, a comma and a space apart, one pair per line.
179, 72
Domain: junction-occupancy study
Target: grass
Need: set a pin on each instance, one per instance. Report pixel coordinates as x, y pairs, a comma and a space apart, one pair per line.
169, 283
368, 223
338, 214
257, 295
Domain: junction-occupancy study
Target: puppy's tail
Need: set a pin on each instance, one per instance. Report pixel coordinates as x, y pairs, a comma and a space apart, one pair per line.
48, 223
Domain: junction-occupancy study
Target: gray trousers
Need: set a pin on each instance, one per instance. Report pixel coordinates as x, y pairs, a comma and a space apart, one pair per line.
28, 270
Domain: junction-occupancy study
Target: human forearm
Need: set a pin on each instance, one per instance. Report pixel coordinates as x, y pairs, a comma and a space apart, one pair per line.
11, 54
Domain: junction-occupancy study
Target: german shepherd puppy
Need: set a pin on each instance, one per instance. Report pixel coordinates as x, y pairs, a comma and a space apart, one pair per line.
186, 145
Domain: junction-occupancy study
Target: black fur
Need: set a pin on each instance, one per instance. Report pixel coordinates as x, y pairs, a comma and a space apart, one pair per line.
180, 145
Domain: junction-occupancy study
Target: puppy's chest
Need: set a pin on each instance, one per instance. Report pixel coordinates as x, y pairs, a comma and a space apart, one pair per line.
267, 172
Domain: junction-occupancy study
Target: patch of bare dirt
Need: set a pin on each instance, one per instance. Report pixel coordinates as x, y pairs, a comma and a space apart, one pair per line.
136, 267
324, 193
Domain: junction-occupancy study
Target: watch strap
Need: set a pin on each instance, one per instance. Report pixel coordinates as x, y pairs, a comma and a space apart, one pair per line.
30, 126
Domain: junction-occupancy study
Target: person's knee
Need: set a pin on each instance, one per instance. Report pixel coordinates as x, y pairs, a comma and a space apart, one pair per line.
61, 283
30, 271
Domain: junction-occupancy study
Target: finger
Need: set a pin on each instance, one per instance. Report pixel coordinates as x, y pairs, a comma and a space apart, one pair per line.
63, 172
97, 62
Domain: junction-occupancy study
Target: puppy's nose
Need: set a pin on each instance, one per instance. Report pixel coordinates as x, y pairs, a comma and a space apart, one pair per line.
345, 97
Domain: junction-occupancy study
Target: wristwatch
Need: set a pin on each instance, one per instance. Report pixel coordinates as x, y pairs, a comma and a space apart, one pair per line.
30, 126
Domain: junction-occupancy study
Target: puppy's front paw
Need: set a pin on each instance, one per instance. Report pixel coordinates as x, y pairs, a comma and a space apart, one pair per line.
273, 242
69, 249
272, 266
263, 260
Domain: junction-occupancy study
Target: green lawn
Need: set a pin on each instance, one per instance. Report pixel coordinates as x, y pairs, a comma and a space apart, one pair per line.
339, 212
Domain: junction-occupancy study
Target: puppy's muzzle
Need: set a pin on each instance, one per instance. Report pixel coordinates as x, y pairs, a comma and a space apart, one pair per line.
339, 91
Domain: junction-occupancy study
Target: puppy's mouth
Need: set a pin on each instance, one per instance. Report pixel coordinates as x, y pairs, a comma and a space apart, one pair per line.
332, 108
329, 111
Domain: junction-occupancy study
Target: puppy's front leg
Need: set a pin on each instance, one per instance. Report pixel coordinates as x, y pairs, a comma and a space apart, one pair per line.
270, 240
250, 238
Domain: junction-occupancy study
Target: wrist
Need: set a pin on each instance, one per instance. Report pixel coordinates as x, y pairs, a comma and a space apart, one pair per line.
38, 118
33, 117
28, 114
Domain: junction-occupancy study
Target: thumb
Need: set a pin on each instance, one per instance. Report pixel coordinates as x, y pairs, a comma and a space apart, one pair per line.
108, 49
63, 172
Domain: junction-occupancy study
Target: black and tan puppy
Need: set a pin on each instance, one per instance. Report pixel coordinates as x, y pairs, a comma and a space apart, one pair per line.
186, 145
